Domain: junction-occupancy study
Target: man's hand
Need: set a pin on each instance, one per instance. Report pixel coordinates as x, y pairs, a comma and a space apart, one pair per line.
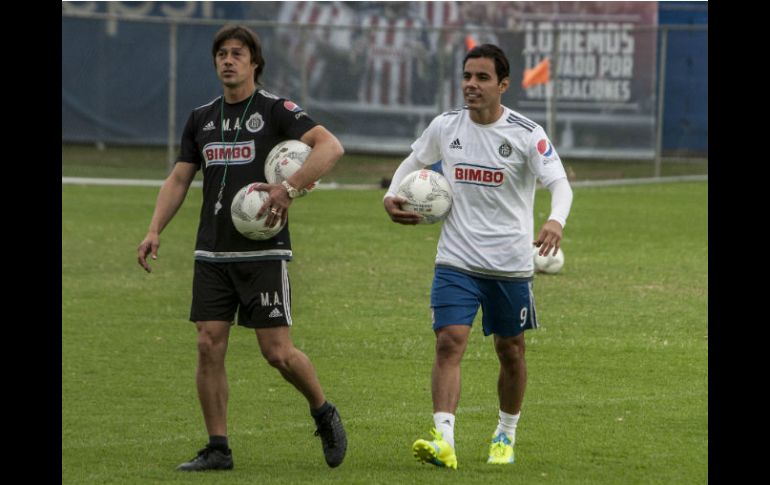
150, 245
399, 215
277, 204
549, 237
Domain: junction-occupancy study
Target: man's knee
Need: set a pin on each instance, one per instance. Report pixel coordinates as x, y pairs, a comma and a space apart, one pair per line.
211, 346
511, 350
450, 345
277, 356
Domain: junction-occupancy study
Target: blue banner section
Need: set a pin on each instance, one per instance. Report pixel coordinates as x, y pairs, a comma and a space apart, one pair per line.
115, 74
115, 87
175, 10
685, 119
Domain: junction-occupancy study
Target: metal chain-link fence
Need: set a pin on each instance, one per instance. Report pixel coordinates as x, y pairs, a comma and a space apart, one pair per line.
377, 76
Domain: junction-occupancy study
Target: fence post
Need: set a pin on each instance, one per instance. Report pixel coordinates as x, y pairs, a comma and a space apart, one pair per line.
305, 76
440, 50
172, 29
552, 91
661, 104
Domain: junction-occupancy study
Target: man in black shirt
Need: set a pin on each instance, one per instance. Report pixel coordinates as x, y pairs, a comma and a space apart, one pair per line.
229, 139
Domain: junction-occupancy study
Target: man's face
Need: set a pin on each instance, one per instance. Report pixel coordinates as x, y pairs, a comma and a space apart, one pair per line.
481, 90
234, 64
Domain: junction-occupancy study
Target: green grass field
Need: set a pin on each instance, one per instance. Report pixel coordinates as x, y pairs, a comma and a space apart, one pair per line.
618, 371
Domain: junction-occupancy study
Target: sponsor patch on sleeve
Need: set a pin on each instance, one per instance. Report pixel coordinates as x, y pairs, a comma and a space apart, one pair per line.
291, 106
544, 148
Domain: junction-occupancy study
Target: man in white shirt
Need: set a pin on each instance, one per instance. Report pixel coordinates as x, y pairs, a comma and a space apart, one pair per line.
492, 157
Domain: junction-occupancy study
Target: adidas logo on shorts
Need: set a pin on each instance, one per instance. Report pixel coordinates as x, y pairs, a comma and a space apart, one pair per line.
275, 313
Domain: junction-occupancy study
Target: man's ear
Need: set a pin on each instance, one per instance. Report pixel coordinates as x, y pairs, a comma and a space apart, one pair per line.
504, 84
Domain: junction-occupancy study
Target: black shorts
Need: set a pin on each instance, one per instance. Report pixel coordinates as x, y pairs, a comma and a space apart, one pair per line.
259, 290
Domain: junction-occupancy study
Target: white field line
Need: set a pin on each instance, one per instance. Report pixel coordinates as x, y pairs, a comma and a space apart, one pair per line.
651, 180
196, 183
334, 185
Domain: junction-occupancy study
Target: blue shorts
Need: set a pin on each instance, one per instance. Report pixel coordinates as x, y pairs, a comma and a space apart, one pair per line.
508, 306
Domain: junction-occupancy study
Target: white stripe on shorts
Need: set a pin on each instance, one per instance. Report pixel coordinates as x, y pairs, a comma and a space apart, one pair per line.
286, 292
533, 314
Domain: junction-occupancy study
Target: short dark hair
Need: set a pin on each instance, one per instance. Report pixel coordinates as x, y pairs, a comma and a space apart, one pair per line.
249, 39
491, 51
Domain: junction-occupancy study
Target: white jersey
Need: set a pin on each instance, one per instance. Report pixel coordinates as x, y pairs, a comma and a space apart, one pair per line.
492, 170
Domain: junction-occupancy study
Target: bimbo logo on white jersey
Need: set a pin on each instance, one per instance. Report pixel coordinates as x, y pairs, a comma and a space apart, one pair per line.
233, 153
466, 173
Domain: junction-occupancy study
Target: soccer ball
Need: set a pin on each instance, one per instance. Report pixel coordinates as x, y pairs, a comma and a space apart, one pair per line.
428, 193
243, 212
548, 264
284, 159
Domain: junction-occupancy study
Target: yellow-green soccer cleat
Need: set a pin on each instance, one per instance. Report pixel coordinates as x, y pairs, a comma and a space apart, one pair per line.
437, 452
500, 450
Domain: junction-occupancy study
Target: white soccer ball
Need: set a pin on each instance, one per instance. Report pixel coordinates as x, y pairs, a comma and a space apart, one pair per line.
548, 264
284, 159
243, 212
428, 193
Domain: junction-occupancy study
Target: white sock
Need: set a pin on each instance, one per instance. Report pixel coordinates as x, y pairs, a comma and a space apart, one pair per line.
445, 424
507, 424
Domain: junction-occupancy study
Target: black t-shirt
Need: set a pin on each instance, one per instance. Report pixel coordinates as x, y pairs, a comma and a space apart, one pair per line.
269, 120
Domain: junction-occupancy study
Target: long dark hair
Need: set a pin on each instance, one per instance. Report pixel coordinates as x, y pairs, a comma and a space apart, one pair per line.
249, 39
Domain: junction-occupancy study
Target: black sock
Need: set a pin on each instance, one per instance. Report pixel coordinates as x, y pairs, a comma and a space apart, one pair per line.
218, 443
317, 413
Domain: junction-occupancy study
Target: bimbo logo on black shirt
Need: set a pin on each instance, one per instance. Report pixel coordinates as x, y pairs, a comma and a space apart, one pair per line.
218, 153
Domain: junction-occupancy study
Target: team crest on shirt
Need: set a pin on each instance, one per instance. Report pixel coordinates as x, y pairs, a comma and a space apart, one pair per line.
505, 149
255, 123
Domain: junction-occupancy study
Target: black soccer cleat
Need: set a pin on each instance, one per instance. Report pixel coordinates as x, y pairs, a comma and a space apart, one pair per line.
208, 459
333, 437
